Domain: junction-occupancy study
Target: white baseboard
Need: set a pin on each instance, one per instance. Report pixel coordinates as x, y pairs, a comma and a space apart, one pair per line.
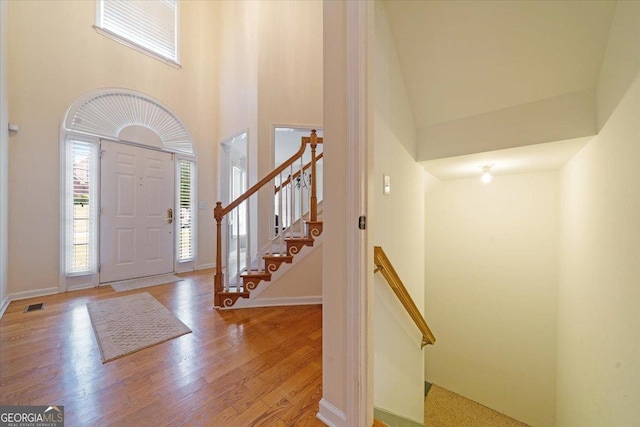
4, 304
206, 266
276, 302
330, 415
184, 270
33, 294
81, 286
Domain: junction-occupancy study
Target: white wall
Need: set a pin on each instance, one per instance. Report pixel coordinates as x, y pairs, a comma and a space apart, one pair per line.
4, 154
399, 228
55, 56
491, 292
598, 344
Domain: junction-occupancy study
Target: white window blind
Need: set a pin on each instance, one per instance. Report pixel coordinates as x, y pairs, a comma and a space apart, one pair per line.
148, 24
185, 239
81, 208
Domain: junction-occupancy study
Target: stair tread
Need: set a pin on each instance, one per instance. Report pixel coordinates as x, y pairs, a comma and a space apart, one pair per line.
277, 255
298, 238
235, 291
255, 273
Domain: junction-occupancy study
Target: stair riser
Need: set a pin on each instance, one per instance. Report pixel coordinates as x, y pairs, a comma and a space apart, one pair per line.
272, 263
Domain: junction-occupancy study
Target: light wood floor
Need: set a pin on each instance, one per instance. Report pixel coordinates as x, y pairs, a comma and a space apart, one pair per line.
249, 367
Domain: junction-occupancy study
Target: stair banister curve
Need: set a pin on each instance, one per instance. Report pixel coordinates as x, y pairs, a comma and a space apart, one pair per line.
384, 266
220, 211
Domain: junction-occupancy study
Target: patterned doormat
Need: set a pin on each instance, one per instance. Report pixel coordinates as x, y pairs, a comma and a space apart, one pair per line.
127, 324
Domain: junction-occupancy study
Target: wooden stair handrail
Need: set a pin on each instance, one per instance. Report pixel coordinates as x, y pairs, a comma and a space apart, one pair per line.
219, 211
297, 174
384, 266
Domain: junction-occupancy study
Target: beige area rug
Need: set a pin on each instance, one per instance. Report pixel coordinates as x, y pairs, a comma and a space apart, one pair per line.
144, 282
444, 408
127, 324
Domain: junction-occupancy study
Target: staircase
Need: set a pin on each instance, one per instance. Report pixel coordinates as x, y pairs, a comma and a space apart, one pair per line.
294, 228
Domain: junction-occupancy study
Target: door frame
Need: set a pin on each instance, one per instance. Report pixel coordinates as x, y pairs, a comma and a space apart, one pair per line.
81, 123
223, 181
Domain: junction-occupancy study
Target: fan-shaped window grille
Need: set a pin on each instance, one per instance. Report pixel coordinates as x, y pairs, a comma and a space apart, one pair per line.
113, 113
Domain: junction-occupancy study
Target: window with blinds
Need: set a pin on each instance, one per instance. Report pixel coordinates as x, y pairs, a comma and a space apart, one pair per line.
186, 201
81, 208
151, 25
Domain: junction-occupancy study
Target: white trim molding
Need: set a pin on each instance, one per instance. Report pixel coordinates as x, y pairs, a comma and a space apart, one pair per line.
276, 302
330, 415
4, 159
4, 304
206, 266
358, 302
33, 294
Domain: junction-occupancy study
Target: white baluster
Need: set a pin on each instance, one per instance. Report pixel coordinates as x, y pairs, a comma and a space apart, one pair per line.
292, 202
237, 211
247, 224
280, 217
301, 201
227, 255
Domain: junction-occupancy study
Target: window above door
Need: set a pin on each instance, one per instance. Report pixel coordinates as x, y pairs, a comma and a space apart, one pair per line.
149, 26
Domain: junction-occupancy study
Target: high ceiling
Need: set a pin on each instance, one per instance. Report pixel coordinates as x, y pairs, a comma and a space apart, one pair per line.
490, 75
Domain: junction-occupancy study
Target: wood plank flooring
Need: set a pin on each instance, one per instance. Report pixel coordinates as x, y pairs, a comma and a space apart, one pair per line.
249, 367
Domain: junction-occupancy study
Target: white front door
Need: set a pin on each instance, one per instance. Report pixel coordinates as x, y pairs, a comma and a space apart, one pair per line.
136, 219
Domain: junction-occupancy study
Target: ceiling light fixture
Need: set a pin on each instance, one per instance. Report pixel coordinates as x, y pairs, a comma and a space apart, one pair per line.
486, 174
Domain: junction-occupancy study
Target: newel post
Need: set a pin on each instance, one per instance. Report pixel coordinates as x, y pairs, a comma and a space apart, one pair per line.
313, 201
219, 278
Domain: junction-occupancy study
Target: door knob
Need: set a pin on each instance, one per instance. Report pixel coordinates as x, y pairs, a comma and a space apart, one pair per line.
169, 217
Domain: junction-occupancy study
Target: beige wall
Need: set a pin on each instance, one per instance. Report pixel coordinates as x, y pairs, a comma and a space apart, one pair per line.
4, 154
398, 227
54, 57
620, 63
303, 280
289, 79
566, 116
598, 345
491, 292
238, 68
270, 73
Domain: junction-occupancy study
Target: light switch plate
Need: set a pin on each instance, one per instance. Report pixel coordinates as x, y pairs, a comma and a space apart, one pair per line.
386, 185
202, 205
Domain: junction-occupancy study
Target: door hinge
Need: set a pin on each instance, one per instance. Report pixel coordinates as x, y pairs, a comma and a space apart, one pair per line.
362, 222
99, 268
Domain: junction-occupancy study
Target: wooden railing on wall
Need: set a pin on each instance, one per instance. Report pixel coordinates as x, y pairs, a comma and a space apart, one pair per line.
220, 211
384, 266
